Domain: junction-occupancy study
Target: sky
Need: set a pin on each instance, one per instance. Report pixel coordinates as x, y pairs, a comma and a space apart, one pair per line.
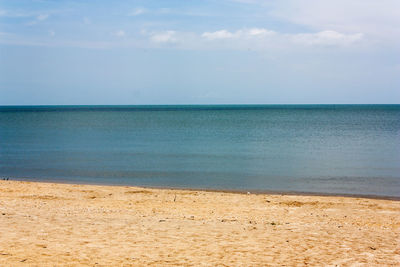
199, 52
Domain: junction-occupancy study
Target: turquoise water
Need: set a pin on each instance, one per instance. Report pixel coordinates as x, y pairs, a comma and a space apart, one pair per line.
341, 149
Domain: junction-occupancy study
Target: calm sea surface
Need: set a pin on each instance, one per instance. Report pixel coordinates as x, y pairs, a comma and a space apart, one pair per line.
343, 149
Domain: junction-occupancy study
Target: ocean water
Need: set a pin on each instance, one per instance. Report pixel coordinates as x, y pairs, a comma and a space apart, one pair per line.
339, 149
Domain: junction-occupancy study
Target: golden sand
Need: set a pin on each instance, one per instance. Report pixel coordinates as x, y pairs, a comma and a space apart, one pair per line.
60, 224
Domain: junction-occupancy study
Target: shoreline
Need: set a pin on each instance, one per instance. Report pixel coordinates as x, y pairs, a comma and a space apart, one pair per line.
79, 224
233, 191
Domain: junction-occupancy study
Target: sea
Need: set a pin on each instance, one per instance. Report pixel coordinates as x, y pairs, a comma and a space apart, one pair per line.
322, 149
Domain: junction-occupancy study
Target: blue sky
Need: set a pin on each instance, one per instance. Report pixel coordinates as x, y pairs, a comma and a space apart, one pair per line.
199, 52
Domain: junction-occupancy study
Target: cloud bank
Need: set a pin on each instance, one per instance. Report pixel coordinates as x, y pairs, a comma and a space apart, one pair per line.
254, 38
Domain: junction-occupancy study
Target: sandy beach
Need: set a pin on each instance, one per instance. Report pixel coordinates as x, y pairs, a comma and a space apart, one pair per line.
64, 224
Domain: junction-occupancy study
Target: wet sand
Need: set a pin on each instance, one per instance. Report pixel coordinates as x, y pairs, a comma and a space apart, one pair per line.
64, 224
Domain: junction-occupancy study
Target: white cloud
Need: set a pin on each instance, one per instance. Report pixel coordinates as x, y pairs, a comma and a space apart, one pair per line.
243, 33
164, 37
222, 34
137, 12
15, 14
245, 1
327, 38
254, 39
86, 20
42, 17
120, 33
259, 32
38, 18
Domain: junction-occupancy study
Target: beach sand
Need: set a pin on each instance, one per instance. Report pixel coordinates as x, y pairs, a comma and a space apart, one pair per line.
62, 224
